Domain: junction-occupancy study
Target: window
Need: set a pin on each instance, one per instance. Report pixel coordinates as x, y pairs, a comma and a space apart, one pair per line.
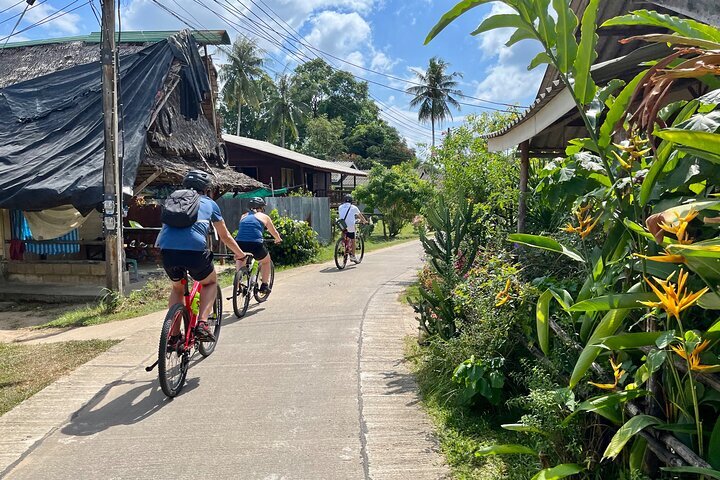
251, 172
287, 177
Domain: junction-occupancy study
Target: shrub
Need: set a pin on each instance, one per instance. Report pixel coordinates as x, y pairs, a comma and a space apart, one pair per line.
299, 245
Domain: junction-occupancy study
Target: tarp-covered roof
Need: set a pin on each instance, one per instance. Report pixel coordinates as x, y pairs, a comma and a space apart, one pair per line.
202, 37
292, 156
51, 127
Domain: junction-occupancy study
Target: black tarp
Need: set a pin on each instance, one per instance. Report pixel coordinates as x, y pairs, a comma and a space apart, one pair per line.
51, 127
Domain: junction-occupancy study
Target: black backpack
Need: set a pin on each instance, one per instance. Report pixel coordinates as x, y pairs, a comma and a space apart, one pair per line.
181, 209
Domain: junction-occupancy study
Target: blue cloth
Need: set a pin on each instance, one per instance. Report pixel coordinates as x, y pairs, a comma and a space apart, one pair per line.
195, 236
21, 231
250, 229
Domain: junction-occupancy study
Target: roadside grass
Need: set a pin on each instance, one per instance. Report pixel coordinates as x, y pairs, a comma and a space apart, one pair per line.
27, 369
462, 431
153, 296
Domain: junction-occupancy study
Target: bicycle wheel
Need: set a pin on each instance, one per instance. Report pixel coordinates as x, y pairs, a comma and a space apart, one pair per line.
214, 322
173, 361
241, 292
359, 248
261, 297
341, 255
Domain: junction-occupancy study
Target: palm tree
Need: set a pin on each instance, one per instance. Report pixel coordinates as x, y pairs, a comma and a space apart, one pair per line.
241, 76
434, 95
283, 112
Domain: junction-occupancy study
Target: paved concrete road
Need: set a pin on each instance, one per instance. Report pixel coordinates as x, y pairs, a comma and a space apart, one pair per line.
307, 386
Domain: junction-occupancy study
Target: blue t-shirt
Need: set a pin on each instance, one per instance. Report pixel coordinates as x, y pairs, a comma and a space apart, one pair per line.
193, 237
250, 229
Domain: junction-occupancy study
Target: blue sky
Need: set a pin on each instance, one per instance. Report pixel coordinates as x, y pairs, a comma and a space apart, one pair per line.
383, 35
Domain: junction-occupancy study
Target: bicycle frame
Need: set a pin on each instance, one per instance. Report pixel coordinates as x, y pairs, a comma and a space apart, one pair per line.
188, 299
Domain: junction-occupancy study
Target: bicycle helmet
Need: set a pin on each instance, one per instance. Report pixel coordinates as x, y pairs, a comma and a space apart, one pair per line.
257, 202
348, 198
197, 180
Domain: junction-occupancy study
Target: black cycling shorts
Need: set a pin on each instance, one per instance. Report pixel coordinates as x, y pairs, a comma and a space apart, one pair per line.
257, 249
177, 262
350, 235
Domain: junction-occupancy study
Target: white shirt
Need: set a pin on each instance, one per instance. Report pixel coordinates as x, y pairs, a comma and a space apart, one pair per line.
348, 216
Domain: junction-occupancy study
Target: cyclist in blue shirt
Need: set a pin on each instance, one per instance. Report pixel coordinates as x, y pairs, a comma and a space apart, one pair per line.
250, 237
185, 250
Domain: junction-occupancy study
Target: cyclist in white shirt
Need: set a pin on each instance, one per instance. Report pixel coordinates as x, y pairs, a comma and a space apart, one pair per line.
350, 214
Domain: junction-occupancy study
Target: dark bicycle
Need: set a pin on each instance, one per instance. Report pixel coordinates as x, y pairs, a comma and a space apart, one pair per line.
342, 248
247, 282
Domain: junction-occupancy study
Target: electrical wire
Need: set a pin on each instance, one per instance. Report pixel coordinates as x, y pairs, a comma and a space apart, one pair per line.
21, 13
49, 18
11, 6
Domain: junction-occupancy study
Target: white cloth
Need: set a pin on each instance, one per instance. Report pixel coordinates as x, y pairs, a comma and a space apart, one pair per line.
53, 222
348, 216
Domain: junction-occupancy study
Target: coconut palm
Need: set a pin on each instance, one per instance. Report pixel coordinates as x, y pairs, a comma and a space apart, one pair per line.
241, 77
435, 93
283, 113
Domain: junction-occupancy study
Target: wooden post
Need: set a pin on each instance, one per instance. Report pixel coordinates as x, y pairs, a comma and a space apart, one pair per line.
112, 206
524, 168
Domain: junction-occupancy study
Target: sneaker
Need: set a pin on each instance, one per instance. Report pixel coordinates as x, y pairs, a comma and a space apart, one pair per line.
203, 332
354, 259
264, 288
174, 342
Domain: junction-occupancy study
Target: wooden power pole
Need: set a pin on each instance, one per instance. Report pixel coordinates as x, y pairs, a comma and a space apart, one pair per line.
112, 185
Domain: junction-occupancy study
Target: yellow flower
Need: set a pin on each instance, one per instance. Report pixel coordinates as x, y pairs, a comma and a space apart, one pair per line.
673, 299
678, 227
503, 296
694, 358
617, 373
586, 223
634, 149
667, 257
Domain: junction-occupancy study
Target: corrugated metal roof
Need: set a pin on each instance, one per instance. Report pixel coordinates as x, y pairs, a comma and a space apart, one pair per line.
269, 148
202, 37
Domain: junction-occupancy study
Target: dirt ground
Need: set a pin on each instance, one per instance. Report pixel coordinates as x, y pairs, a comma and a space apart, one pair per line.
17, 318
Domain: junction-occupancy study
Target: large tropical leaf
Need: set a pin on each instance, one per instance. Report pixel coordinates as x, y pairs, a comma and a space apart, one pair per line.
505, 449
704, 141
697, 470
673, 40
546, 23
628, 431
617, 110
558, 471
606, 405
539, 59
521, 427
706, 248
684, 27
452, 14
505, 20
565, 26
545, 243
542, 319
630, 340
713, 453
584, 86
613, 301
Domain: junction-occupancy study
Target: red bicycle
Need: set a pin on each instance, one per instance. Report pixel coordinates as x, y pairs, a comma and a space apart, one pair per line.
177, 338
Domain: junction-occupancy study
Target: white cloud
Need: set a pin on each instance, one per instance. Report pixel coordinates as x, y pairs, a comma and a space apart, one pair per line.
382, 62
60, 22
338, 33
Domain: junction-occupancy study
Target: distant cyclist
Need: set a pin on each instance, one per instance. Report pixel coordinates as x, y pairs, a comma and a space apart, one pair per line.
184, 248
250, 237
350, 214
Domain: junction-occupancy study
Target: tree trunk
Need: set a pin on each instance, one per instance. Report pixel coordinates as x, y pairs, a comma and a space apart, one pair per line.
239, 117
282, 135
432, 122
524, 168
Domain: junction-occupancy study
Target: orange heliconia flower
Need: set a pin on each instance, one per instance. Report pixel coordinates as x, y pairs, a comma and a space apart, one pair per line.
617, 373
694, 358
586, 223
673, 298
678, 227
503, 296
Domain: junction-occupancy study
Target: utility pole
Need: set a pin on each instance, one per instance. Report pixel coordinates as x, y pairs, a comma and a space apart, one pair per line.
112, 204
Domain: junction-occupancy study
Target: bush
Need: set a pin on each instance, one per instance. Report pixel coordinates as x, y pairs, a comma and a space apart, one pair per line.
299, 245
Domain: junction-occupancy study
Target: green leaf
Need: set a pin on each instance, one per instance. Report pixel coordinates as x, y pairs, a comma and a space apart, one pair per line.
676, 40
617, 110
665, 339
685, 27
710, 157
700, 471
613, 301
520, 35
704, 141
637, 454
506, 20
629, 340
521, 427
545, 243
626, 432
585, 88
546, 23
563, 470
565, 41
713, 454
710, 98
542, 319
452, 14
539, 59
706, 249
605, 404
505, 449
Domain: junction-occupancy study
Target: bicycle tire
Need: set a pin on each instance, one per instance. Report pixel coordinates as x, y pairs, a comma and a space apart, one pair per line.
341, 255
241, 292
256, 293
215, 323
359, 248
178, 368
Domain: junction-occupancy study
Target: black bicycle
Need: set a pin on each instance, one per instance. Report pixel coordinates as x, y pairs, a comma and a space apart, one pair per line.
342, 248
247, 282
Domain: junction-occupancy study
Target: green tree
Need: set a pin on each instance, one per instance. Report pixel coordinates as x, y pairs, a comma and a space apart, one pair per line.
253, 124
435, 93
398, 192
324, 138
283, 112
241, 77
379, 142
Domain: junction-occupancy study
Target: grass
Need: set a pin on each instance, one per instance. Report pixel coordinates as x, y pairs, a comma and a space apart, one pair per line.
27, 369
462, 431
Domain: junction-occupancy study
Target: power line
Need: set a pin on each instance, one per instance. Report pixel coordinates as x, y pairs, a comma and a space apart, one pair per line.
60, 13
11, 6
20, 14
